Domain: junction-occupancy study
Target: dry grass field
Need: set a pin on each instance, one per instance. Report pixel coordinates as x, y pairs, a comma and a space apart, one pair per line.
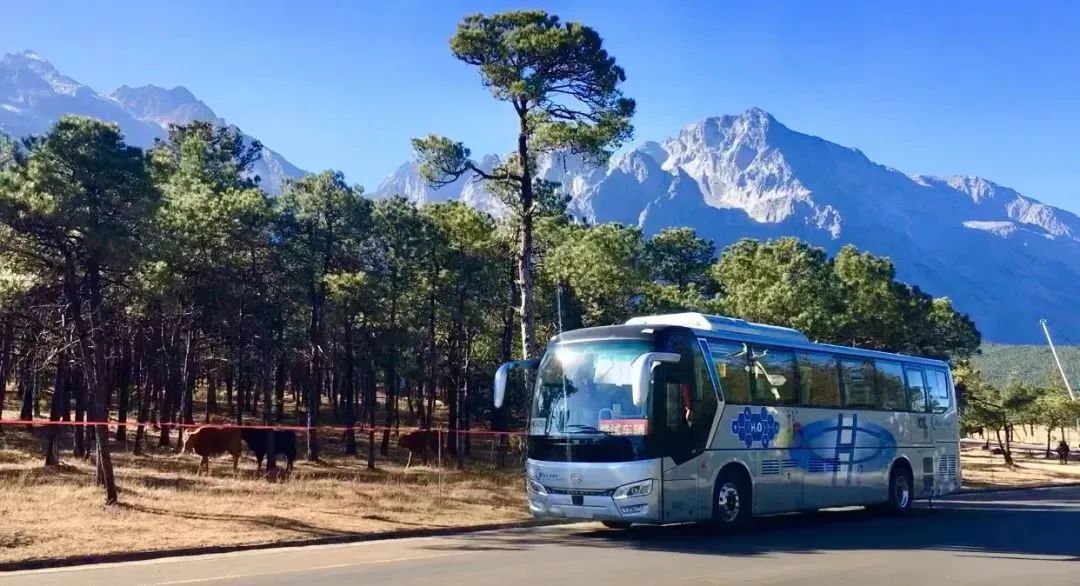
984, 469
56, 513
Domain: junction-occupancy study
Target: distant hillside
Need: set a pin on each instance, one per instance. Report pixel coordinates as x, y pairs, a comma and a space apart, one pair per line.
1003, 363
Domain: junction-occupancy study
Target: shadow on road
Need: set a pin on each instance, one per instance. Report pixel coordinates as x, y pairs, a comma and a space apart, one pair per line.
1031, 525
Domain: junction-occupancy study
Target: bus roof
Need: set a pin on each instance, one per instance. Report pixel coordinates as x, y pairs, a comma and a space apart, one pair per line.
730, 328
720, 323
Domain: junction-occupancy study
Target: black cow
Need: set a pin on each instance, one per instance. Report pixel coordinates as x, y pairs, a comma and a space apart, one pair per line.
284, 443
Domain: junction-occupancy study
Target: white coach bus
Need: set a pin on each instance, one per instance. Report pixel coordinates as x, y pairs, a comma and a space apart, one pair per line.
690, 417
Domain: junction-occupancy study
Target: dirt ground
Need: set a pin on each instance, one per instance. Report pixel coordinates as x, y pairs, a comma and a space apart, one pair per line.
984, 469
53, 513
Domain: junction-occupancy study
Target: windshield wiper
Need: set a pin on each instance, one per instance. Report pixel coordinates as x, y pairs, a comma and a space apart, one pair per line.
585, 428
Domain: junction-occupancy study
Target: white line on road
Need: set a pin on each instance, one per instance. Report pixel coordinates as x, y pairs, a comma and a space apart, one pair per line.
363, 563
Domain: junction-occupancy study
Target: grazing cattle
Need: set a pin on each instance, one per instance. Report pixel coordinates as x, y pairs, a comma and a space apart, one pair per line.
420, 441
514, 445
210, 442
284, 444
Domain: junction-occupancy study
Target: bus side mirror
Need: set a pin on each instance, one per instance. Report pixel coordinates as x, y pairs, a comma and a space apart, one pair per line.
503, 373
641, 373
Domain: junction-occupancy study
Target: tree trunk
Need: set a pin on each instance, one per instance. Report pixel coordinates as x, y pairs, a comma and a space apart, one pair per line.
314, 390
390, 373
431, 358
241, 387
187, 389
52, 451
211, 393
254, 393
279, 386
144, 409
99, 391
1049, 430
6, 342
372, 405
91, 347
268, 420
466, 392
506, 342
26, 381
525, 250
350, 391
1005, 447
123, 384
79, 431
166, 408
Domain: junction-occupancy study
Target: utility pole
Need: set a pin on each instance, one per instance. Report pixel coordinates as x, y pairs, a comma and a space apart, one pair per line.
1061, 369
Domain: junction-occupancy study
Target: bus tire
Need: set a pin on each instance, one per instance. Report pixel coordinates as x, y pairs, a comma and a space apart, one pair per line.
731, 499
616, 524
901, 489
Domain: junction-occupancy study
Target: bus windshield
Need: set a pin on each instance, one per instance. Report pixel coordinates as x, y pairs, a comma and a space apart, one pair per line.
583, 388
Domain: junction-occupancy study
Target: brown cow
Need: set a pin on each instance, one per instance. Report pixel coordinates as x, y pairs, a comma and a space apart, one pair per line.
514, 444
421, 441
209, 442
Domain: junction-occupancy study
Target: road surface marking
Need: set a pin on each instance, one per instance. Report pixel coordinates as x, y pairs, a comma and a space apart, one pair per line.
363, 563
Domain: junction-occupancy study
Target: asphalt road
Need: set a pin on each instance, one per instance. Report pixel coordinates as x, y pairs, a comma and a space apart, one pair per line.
1016, 538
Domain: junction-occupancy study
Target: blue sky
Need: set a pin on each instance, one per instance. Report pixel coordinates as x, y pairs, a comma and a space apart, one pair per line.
986, 88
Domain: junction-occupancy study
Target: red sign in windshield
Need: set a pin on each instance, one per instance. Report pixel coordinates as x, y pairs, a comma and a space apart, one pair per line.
624, 426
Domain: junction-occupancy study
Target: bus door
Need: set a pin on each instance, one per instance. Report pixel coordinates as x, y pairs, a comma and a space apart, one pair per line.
685, 406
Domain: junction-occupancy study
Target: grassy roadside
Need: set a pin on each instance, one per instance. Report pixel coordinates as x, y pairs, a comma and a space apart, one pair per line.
56, 513
983, 469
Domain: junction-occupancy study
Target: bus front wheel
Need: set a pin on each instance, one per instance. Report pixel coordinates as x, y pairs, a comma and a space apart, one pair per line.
731, 500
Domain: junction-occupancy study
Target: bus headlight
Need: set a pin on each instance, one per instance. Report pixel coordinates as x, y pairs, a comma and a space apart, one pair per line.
535, 487
634, 489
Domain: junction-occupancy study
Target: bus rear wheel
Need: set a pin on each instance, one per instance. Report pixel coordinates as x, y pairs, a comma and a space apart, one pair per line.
731, 500
901, 490
616, 524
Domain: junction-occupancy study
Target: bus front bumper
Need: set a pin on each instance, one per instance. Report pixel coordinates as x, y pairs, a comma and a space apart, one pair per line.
588, 491
594, 508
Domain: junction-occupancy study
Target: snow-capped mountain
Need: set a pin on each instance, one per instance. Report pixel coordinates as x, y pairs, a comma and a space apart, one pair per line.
1003, 257
34, 95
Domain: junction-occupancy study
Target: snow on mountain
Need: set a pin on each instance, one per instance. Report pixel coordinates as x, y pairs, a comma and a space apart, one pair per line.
163, 106
34, 95
1003, 257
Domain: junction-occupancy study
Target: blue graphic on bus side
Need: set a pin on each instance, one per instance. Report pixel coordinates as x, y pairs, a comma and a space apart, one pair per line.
753, 427
843, 445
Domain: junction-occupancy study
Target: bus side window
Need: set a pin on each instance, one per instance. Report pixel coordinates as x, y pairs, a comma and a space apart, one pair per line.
937, 387
732, 370
774, 362
817, 376
916, 389
889, 377
858, 379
